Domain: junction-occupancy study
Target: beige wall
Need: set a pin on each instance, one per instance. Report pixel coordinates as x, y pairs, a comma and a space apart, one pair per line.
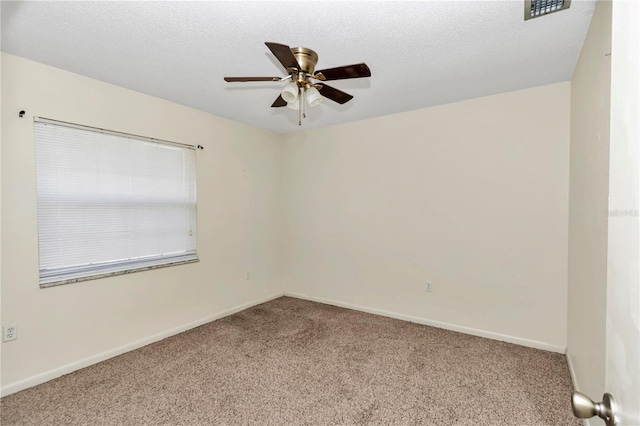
588, 204
238, 227
472, 196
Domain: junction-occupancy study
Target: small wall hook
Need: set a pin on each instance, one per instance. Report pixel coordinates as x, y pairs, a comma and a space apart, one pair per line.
21, 114
200, 147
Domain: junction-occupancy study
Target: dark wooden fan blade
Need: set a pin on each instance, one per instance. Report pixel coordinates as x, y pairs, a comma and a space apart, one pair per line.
279, 102
234, 79
347, 71
334, 94
284, 55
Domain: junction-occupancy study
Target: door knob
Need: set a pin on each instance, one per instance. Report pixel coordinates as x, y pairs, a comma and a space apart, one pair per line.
585, 408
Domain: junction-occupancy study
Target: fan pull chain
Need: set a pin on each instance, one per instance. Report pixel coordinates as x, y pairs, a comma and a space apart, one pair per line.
300, 106
304, 104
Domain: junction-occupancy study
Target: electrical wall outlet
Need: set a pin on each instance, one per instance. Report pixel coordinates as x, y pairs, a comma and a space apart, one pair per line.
247, 276
9, 332
428, 287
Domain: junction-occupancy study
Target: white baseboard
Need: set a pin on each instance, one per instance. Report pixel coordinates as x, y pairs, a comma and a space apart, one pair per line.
574, 381
572, 372
447, 326
94, 359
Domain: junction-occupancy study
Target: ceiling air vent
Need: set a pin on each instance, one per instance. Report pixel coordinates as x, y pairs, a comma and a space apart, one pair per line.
537, 8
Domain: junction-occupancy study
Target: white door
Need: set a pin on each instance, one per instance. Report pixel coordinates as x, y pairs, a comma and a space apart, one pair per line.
622, 366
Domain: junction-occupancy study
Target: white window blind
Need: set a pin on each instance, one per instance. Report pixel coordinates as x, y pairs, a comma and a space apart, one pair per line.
111, 203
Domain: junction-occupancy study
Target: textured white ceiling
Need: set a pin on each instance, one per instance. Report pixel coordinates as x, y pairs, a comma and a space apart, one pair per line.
420, 53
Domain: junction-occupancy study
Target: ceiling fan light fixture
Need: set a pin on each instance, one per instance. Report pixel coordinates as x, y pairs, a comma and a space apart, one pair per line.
313, 96
290, 93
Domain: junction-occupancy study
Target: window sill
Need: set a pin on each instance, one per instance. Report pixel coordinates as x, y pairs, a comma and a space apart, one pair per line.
115, 273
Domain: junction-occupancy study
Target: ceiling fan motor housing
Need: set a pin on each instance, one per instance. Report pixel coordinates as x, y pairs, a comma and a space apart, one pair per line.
307, 59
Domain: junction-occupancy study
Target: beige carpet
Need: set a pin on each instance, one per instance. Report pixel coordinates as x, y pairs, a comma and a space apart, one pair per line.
290, 362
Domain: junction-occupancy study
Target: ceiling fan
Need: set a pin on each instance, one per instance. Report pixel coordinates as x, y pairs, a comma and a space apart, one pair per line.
300, 63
